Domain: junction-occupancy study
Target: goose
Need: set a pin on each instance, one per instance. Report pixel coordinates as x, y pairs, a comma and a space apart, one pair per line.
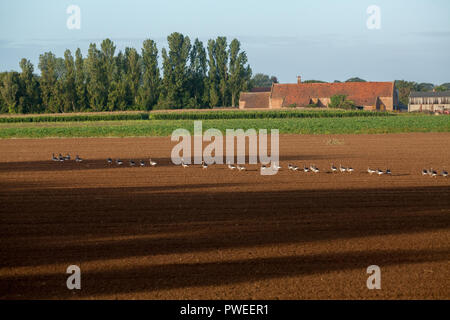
132, 163
333, 168
380, 172
240, 168
424, 172
141, 163
444, 173
350, 170
204, 165
67, 157
231, 166
312, 167
305, 169
290, 166
54, 158
342, 169
184, 165
371, 171
78, 159
434, 173
276, 166
61, 158
294, 168
119, 162
315, 169
152, 163
109, 160
388, 171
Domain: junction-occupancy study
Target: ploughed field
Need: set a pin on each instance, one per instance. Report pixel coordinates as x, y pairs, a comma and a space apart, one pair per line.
169, 232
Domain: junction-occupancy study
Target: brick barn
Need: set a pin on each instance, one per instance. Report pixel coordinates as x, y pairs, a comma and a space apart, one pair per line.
366, 95
429, 101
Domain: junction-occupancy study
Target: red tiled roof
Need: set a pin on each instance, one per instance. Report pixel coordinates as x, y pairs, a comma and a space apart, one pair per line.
361, 93
254, 100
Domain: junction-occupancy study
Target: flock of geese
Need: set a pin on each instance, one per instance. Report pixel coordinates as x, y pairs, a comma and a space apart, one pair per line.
311, 168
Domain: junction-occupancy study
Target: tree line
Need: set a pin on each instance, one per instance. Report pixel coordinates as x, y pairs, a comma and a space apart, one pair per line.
191, 76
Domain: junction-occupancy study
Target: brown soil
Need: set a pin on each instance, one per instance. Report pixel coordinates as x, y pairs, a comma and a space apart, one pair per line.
174, 233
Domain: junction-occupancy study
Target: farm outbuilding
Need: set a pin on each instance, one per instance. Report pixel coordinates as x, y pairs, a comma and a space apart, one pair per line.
379, 96
429, 101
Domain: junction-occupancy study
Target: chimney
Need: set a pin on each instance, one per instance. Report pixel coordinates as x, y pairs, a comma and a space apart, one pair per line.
299, 79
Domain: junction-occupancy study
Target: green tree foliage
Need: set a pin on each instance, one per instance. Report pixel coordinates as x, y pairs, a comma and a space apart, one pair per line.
339, 101
213, 76
29, 101
9, 90
97, 84
314, 81
440, 88
80, 82
197, 75
221, 55
48, 80
263, 80
240, 74
149, 91
192, 76
355, 79
445, 85
69, 92
175, 62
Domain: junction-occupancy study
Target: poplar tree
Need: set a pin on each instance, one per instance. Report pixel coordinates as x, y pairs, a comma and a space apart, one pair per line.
149, 91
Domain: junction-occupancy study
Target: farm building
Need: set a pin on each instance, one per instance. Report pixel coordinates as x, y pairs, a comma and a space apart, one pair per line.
429, 101
366, 95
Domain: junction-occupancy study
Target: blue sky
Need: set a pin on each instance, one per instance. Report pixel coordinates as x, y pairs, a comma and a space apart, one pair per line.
320, 39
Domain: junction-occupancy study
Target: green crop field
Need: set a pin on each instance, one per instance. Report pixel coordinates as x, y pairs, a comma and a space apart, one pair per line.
321, 125
191, 115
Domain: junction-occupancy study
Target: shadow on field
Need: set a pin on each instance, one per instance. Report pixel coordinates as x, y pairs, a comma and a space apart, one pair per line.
181, 275
64, 225
41, 226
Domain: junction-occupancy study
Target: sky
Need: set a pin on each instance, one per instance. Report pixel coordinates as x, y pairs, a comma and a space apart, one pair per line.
321, 39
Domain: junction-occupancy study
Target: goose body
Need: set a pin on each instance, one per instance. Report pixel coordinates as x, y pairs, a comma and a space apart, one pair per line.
54, 158
424, 172
380, 172
445, 173
231, 166
350, 170
240, 168
132, 163
305, 169
142, 163
152, 163
109, 160
67, 157
388, 171
371, 171
433, 173
294, 168
333, 168
342, 169
290, 167
119, 162
61, 158
78, 159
